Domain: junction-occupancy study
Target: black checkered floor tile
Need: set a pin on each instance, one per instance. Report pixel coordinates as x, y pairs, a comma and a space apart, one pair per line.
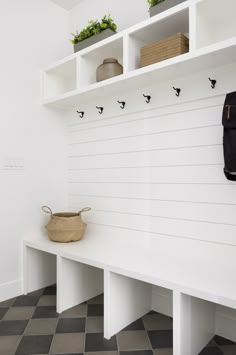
30, 325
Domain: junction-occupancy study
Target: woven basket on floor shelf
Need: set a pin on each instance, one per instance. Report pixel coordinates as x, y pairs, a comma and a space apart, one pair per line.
65, 227
164, 49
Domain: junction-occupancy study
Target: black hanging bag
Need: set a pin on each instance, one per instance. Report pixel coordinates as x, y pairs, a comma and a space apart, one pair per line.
229, 141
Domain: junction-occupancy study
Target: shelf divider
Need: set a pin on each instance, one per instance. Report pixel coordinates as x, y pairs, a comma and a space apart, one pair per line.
76, 283
192, 28
125, 301
194, 324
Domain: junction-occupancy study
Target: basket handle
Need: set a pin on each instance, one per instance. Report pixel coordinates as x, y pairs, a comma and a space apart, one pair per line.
47, 209
86, 209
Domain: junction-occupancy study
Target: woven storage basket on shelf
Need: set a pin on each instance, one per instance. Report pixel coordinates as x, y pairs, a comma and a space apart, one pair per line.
164, 49
65, 227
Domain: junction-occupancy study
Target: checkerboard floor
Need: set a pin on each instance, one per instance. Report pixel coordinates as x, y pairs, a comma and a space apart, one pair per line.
30, 325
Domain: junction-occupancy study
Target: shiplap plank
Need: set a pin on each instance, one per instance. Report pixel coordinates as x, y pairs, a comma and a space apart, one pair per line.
190, 174
179, 192
169, 140
158, 124
180, 228
182, 156
214, 213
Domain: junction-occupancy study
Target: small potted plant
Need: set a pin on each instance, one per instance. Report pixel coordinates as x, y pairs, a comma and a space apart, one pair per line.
94, 32
158, 6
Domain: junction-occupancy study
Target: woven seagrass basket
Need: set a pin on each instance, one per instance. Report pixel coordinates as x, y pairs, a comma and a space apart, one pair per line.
65, 227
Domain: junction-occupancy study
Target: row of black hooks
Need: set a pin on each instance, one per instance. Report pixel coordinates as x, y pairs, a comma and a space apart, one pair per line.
121, 103
147, 99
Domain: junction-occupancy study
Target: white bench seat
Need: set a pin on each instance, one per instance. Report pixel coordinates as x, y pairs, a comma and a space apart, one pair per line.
192, 272
188, 283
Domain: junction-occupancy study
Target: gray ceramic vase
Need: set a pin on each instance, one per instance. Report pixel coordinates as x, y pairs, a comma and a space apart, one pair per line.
165, 5
110, 68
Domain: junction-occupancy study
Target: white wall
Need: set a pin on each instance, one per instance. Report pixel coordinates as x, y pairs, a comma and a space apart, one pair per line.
125, 13
32, 35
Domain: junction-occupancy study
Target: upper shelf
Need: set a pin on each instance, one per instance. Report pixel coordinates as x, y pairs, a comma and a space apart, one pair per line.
212, 43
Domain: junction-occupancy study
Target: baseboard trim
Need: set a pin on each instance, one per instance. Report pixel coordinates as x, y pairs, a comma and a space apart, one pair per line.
11, 289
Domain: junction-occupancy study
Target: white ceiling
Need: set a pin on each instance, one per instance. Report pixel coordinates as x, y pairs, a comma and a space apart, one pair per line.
67, 4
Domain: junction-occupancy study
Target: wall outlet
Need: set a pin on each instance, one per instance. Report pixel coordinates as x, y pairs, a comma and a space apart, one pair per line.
13, 163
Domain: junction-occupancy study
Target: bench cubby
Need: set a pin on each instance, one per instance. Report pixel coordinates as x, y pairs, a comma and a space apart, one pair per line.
39, 269
76, 283
197, 321
127, 299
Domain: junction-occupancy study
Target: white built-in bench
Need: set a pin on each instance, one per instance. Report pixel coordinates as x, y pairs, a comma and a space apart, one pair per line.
135, 280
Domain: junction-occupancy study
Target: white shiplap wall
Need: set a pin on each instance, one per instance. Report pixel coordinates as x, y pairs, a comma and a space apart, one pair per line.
156, 171
156, 168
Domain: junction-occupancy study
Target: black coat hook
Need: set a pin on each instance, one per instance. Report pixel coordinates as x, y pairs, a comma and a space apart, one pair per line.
148, 98
177, 91
100, 109
81, 114
213, 83
122, 104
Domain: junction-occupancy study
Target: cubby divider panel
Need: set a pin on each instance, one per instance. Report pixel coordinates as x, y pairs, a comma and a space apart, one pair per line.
197, 321
194, 324
76, 283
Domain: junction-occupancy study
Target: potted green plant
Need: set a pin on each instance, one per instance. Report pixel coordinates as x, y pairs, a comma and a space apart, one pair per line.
94, 32
158, 6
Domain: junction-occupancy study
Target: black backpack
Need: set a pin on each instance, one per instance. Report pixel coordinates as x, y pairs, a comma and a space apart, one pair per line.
229, 140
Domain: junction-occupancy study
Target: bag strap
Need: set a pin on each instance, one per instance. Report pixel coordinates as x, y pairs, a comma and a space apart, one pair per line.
86, 209
47, 209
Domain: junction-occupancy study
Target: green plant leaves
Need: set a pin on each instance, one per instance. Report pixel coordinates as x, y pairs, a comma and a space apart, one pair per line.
93, 28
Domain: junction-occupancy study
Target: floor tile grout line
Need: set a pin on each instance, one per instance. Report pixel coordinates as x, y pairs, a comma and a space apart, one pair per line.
147, 333
50, 349
149, 340
85, 330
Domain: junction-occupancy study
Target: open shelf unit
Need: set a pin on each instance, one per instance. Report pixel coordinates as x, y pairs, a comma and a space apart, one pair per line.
212, 36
